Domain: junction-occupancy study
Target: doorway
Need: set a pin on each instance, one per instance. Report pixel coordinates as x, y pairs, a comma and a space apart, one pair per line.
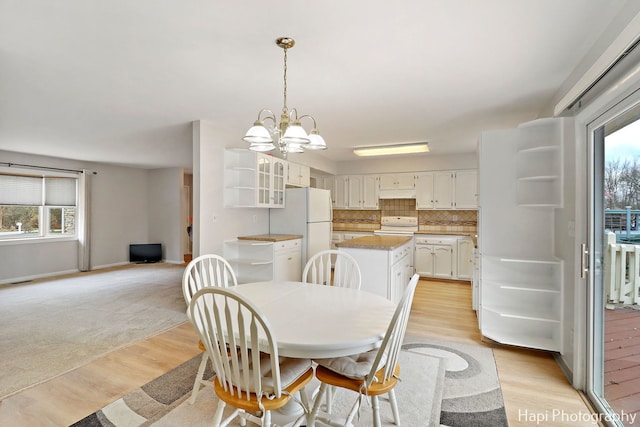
614, 321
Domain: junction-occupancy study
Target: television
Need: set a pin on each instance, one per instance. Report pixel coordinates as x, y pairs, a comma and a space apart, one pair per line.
145, 252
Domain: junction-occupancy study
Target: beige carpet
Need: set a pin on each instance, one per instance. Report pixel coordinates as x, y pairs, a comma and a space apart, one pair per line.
48, 327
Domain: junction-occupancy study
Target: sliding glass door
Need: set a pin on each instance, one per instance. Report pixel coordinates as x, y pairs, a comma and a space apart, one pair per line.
613, 372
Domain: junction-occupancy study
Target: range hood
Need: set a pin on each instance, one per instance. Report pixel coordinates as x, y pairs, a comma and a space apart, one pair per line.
397, 194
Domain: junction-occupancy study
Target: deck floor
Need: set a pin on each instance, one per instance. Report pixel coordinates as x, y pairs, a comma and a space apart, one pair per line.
622, 360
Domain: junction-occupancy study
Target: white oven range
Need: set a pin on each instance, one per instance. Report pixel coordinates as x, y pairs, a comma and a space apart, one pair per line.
399, 226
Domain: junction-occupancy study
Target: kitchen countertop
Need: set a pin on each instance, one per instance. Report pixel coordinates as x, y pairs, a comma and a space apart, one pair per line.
375, 242
271, 237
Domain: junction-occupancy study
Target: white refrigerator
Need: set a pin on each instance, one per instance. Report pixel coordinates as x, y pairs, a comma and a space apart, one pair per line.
307, 212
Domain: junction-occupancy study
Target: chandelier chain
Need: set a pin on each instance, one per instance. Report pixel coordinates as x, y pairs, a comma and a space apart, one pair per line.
284, 108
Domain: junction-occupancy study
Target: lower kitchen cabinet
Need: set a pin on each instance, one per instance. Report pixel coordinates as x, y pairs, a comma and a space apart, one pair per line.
256, 261
444, 257
385, 270
464, 259
435, 257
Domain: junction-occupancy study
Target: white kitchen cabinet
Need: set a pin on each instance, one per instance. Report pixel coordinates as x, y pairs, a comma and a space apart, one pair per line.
253, 179
259, 260
287, 260
397, 181
401, 272
385, 272
356, 192
329, 183
443, 190
435, 257
464, 259
424, 190
341, 187
298, 175
520, 285
465, 192
446, 190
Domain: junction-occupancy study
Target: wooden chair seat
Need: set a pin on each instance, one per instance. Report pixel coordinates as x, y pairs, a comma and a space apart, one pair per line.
381, 373
252, 404
376, 388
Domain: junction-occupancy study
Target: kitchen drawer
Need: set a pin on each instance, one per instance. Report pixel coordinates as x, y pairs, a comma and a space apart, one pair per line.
436, 240
286, 244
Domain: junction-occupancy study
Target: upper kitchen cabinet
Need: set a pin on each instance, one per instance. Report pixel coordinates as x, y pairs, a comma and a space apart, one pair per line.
397, 181
446, 190
253, 179
298, 175
362, 192
353, 191
465, 190
424, 190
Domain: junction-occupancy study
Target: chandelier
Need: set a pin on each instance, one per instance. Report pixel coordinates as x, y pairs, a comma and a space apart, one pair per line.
290, 136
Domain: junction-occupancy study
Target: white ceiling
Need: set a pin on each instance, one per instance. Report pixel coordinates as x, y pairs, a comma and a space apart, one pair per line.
120, 81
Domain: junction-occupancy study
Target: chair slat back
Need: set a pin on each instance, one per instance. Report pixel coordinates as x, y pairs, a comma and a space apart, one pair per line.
323, 270
206, 270
234, 333
392, 342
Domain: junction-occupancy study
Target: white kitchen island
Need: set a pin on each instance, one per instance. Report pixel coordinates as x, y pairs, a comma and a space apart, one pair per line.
384, 261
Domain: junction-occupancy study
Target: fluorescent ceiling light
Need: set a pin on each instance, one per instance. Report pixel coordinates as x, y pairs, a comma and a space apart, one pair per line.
385, 150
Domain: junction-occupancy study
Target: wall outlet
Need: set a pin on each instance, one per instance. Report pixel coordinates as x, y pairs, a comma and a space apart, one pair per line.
454, 217
255, 219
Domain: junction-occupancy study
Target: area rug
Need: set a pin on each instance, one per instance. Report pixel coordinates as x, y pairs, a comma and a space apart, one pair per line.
471, 394
442, 384
49, 327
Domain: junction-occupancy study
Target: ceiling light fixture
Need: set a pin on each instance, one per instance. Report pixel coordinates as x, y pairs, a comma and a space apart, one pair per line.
385, 150
289, 133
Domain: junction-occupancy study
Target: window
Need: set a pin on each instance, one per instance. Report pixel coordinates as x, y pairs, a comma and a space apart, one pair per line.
37, 206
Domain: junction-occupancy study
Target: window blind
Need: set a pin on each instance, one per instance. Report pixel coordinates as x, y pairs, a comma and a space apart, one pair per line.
20, 190
60, 191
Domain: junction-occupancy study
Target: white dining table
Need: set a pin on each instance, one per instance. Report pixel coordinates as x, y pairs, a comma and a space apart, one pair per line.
316, 321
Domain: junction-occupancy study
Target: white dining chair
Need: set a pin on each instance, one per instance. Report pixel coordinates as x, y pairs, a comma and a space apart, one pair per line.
203, 271
332, 267
252, 378
369, 374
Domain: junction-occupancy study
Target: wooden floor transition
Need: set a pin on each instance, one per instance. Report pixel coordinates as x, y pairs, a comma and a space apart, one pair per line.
532, 383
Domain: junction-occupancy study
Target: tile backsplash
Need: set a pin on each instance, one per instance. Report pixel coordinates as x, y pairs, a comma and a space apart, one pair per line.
436, 221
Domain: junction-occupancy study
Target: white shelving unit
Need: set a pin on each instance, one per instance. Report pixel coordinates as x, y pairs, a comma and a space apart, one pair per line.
522, 302
258, 261
253, 179
520, 292
539, 164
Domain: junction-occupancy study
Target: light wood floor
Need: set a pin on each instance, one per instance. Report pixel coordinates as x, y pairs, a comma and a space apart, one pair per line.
532, 383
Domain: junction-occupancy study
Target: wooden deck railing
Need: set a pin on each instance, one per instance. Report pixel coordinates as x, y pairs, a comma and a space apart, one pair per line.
622, 272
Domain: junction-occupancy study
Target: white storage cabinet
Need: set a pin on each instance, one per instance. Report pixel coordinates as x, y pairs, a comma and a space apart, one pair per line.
256, 261
384, 272
447, 190
298, 175
435, 256
520, 287
253, 179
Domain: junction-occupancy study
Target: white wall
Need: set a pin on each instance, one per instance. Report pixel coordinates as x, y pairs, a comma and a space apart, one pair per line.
165, 222
212, 222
